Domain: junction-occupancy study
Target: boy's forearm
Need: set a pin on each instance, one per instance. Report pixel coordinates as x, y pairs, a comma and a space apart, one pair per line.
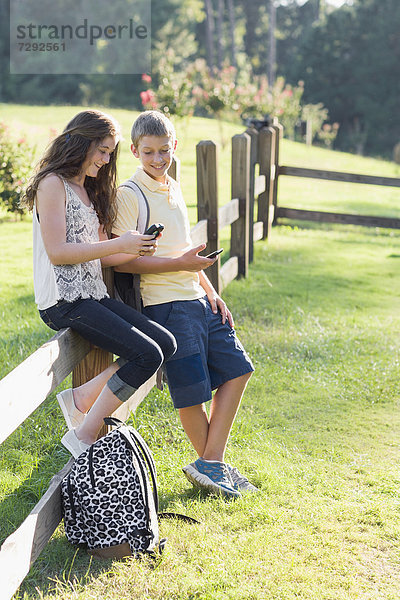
150, 264
205, 283
114, 260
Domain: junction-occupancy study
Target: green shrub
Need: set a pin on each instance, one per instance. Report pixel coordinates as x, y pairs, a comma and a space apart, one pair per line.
16, 160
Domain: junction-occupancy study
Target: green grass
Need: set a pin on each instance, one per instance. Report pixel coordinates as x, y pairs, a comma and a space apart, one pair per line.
318, 430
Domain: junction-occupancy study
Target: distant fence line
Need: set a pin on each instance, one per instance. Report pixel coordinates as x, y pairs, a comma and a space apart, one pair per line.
331, 217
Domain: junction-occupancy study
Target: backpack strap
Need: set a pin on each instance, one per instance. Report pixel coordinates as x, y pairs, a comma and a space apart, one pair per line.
178, 517
145, 450
149, 461
143, 205
127, 285
113, 421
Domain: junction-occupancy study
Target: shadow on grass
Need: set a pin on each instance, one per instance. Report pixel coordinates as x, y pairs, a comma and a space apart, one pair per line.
61, 564
29, 458
64, 564
323, 274
22, 332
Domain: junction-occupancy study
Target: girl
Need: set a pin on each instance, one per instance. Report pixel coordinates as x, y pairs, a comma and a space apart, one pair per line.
72, 195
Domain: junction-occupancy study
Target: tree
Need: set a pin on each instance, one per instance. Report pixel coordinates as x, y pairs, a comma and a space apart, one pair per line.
208, 7
232, 31
272, 43
354, 69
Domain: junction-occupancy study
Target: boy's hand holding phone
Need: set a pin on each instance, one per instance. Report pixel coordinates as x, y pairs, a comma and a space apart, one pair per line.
195, 262
215, 253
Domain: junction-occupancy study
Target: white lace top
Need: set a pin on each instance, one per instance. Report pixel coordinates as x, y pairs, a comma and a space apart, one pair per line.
68, 282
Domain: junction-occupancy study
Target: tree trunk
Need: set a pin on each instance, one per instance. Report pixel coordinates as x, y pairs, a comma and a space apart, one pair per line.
209, 33
220, 20
231, 10
272, 44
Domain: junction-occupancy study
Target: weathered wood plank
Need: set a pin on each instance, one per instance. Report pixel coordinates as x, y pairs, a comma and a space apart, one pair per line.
198, 233
22, 548
29, 384
266, 154
207, 200
258, 231
259, 185
240, 189
339, 176
343, 218
253, 134
174, 170
229, 271
228, 213
278, 137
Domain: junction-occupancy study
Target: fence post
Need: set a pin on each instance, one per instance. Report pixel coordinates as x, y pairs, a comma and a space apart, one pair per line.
241, 190
174, 170
207, 201
279, 134
97, 360
253, 133
266, 153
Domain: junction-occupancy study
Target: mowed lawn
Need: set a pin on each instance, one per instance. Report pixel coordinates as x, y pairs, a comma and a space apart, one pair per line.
318, 430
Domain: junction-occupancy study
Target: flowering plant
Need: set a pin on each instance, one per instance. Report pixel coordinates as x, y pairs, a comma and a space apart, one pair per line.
215, 92
16, 159
327, 134
173, 94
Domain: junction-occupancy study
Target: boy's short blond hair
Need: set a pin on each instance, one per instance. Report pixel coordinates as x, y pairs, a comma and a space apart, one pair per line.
152, 122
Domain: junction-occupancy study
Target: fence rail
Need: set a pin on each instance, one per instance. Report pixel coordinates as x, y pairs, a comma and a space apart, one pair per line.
330, 217
24, 389
339, 176
341, 218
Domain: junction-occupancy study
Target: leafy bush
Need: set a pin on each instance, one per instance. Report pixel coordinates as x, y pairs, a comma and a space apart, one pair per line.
173, 95
215, 92
16, 159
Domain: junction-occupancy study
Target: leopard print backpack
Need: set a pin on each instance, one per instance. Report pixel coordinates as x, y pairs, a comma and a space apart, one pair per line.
108, 503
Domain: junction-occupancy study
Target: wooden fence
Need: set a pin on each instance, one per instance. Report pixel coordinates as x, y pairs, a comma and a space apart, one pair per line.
24, 389
330, 217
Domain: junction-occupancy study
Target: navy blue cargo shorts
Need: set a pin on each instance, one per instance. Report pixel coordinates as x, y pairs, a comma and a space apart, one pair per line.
209, 352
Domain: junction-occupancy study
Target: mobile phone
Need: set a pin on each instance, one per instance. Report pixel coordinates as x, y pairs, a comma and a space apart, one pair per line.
215, 253
155, 229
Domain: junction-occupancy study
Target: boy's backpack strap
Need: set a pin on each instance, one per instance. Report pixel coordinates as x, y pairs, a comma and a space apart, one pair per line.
143, 205
127, 285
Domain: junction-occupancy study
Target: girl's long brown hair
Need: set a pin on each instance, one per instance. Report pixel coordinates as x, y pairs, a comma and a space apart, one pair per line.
66, 155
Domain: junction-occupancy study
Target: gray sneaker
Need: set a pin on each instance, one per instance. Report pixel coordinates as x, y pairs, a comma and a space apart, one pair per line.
240, 482
211, 475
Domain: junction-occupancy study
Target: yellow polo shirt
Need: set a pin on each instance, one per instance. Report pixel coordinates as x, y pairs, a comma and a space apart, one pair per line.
168, 207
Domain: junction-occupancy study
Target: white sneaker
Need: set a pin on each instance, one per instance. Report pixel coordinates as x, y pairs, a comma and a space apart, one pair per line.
73, 444
240, 482
73, 417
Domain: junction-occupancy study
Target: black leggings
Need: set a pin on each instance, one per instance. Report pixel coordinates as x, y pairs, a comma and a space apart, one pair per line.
116, 327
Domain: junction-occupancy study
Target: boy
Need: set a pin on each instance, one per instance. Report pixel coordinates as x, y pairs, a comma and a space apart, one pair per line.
177, 294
